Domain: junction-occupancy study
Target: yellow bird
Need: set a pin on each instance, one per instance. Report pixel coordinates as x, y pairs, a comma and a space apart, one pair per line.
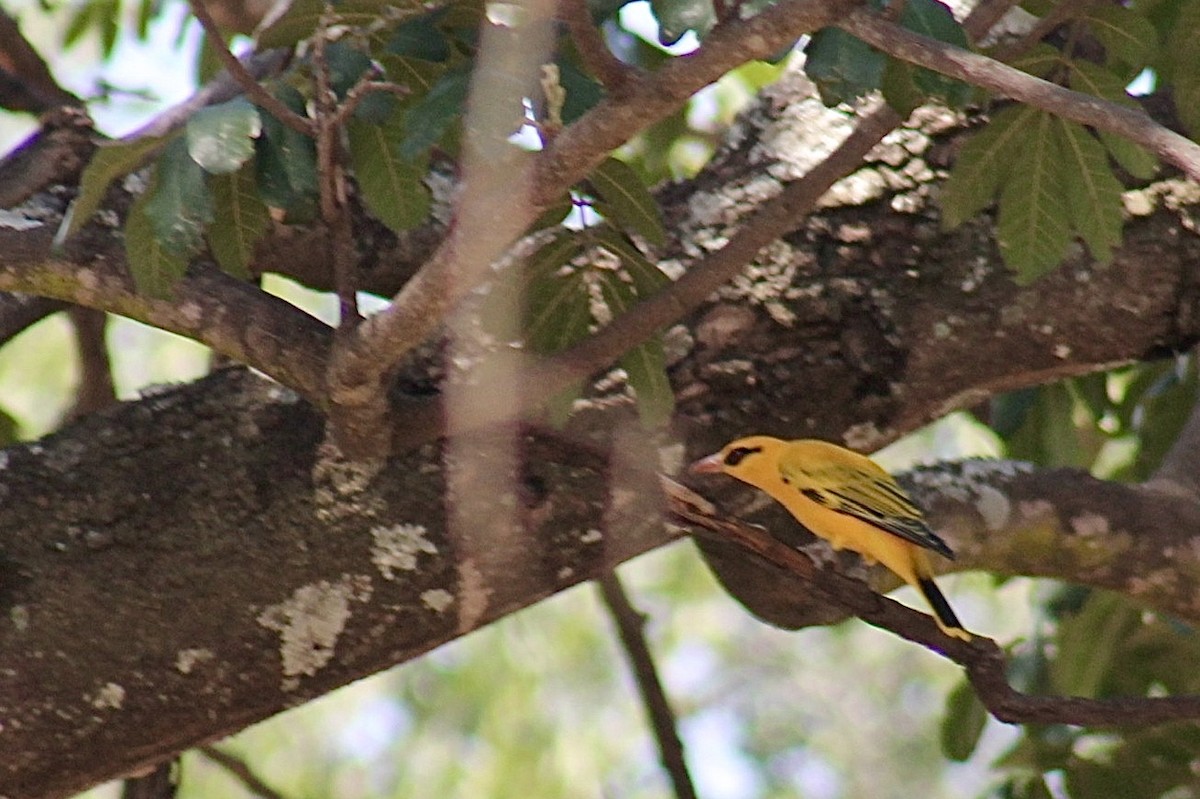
847, 499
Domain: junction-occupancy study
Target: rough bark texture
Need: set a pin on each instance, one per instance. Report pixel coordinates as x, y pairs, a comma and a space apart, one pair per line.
179, 567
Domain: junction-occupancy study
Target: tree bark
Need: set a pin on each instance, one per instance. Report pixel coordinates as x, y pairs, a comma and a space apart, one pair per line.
176, 568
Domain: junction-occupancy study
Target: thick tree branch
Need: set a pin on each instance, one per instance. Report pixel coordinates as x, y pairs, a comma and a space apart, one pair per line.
234, 318
1009, 82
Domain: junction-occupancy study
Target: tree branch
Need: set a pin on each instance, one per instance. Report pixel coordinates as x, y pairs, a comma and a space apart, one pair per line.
1017, 85
248, 83
981, 657
612, 73
772, 220
242, 771
359, 367
233, 317
26, 83
630, 626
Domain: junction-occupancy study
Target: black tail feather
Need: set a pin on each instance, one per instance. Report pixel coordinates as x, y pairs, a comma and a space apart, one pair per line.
937, 601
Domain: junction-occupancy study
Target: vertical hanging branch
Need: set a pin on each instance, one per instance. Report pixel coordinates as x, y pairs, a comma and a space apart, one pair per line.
630, 626
332, 179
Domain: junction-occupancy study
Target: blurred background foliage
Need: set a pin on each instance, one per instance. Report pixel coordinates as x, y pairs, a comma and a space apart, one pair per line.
543, 704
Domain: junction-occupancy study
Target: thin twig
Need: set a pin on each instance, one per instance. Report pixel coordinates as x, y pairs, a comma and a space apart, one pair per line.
995, 76
630, 626
254, 90
365, 87
984, 661
613, 73
238, 768
332, 179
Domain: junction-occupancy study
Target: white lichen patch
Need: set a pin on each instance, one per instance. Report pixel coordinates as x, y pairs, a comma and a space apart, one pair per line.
1036, 509
17, 221
437, 599
863, 436
397, 547
110, 696
591, 536
341, 487
310, 621
1159, 581
994, 508
191, 312
1090, 525
19, 615
186, 660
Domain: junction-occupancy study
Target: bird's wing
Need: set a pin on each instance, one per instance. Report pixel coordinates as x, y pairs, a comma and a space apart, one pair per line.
869, 494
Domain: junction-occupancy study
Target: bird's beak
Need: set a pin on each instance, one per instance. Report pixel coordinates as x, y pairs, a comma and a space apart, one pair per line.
710, 465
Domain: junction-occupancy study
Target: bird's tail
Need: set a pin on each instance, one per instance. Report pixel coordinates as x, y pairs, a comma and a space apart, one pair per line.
942, 611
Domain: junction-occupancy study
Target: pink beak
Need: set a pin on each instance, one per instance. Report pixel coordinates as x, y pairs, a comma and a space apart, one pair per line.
713, 464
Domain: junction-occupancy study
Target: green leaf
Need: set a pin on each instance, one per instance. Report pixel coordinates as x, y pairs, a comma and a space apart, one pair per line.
433, 114
646, 368
392, 187
415, 73
677, 17
558, 313
1040, 60
1089, 643
154, 268
1093, 194
899, 87
625, 200
963, 723
843, 67
1186, 93
240, 219
111, 161
583, 92
420, 38
208, 65
1127, 36
933, 19
1094, 79
1133, 158
646, 278
554, 214
645, 365
220, 138
1033, 228
346, 65
180, 207
983, 165
286, 163
540, 270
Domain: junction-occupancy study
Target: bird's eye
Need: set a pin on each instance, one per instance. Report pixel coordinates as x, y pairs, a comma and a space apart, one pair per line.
737, 455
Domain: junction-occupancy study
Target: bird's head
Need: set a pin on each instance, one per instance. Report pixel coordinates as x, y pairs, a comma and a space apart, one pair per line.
754, 460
